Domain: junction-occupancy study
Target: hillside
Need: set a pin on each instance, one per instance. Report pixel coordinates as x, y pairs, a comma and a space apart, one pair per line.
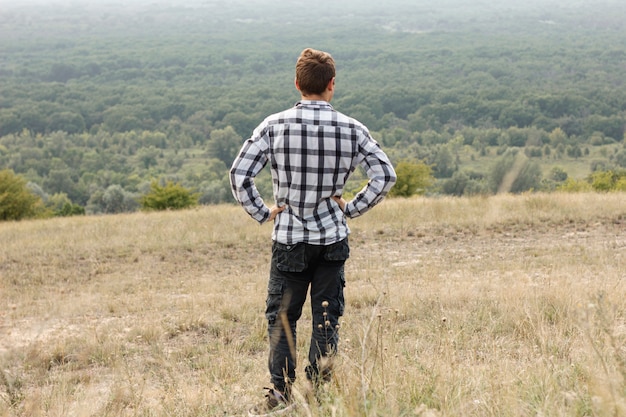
506, 305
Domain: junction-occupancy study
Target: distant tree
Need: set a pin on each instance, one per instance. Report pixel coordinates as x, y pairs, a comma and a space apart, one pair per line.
393, 136
199, 126
241, 122
533, 152
514, 136
170, 196
148, 156
557, 137
116, 200
456, 185
62, 206
62, 73
66, 121
153, 139
558, 174
517, 114
224, 144
9, 121
59, 181
16, 200
444, 165
620, 158
215, 192
124, 118
56, 201
514, 173
574, 151
414, 178
612, 127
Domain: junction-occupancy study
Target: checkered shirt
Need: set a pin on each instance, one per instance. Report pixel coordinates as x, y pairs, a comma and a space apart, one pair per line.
312, 149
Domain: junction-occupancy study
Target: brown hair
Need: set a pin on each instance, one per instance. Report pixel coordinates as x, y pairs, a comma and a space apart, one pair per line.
314, 70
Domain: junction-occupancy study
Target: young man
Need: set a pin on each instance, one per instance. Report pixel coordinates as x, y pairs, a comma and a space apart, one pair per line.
312, 150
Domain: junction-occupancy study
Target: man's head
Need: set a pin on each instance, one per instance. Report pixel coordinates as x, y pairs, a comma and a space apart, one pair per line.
315, 72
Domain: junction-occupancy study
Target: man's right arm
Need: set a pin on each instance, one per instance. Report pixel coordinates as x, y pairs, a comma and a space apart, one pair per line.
245, 168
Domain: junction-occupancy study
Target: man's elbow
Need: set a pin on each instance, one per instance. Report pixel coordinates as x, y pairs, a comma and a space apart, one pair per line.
237, 181
232, 174
391, 180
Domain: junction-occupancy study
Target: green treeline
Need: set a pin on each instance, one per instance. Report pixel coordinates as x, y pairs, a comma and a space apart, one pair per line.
101, 100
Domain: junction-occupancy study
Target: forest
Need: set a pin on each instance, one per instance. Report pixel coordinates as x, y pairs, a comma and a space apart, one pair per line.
99, 100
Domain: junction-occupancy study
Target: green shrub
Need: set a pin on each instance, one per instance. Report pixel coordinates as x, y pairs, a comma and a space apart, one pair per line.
571, 185
413, 178
170, 196
608, 180
16, 200
603, 180
60, 205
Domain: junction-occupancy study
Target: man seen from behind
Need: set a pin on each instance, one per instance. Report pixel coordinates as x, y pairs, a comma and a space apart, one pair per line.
312, 150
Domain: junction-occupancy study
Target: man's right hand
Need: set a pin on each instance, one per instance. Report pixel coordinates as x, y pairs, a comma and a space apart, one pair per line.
274, 210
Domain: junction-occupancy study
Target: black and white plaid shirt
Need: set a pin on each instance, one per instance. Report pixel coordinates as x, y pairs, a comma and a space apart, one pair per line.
312, 150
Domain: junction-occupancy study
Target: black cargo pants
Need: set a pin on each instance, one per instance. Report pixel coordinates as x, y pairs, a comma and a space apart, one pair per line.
295, 268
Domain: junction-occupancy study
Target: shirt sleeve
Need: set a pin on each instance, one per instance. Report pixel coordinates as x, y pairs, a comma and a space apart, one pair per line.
381, 176
251, 160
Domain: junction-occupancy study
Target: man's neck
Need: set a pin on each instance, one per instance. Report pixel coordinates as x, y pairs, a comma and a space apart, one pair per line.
317, 97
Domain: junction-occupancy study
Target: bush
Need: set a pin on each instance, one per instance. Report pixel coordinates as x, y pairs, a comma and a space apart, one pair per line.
608, 180
16, 200
571, 185
171, 196
62, 206
603, 180
558, 174
413, 178
70, 209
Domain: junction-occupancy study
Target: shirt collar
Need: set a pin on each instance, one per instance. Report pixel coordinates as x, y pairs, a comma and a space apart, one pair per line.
313, 104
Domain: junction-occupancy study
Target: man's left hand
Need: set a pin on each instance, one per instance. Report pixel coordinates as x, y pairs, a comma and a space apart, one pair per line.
342, 203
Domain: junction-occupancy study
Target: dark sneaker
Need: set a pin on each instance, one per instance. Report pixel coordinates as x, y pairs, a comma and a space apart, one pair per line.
275, 404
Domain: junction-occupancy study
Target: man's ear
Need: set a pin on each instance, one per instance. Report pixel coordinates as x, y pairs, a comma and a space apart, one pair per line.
295, 81
331, 85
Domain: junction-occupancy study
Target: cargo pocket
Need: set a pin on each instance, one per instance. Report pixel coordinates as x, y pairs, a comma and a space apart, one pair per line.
339, 251
289, 258
274, 299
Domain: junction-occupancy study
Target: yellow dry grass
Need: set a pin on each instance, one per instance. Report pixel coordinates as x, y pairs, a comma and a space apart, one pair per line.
495, 306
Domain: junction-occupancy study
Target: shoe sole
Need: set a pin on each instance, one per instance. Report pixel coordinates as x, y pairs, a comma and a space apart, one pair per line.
281, 412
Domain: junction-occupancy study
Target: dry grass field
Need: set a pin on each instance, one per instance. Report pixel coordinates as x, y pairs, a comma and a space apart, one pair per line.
495, 306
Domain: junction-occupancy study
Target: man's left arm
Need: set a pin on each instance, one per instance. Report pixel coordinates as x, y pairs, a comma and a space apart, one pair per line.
382, 178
